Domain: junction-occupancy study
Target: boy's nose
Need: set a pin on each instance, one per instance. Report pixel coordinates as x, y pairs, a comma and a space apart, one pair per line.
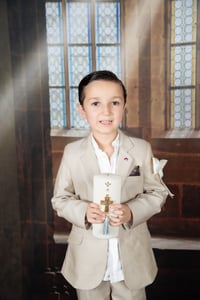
106, 109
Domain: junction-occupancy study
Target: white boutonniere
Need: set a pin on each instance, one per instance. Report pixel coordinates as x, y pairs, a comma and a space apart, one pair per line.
158, 166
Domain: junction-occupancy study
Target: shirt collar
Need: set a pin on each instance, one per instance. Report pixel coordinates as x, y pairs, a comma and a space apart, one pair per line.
115, 143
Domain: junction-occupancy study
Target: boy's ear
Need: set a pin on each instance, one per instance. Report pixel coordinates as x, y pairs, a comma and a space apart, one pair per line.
81, 110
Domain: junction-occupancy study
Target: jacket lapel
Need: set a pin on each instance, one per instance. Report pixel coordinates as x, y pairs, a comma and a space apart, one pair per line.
126, 161
88, 158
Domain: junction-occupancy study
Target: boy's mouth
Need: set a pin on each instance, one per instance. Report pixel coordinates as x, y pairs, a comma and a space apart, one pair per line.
106, 122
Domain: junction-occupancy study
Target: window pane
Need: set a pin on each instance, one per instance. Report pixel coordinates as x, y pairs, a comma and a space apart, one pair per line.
108, 57
57, 107
79, 54
56, 66
79, 63
76, 120
183, 108
184, 21
107, 22
54, 23
78, 22
183, 63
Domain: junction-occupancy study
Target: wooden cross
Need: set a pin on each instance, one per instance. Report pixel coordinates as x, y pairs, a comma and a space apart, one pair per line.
106, 202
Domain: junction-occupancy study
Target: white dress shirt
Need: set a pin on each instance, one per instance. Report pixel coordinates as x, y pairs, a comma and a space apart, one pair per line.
114, 271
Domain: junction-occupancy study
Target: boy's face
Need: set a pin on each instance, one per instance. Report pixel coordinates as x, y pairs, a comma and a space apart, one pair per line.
103, 106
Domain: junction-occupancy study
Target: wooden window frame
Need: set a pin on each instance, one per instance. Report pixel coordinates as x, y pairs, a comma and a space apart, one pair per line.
68, 130
178, 132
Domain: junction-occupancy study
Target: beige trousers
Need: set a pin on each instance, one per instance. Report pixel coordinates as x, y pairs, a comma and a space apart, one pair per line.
111, 291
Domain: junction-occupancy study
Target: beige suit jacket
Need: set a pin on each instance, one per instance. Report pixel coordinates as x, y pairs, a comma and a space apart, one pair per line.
86, 257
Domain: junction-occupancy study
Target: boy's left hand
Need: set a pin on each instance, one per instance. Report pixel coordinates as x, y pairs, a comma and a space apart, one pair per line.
119, 214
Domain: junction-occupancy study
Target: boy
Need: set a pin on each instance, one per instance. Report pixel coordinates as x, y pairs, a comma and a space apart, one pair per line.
117, 268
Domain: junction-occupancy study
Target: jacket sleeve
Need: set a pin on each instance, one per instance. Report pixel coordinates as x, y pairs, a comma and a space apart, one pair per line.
64, 201
155, 192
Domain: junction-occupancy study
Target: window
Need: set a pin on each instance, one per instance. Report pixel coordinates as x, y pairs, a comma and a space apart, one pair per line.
183, 65
82, 36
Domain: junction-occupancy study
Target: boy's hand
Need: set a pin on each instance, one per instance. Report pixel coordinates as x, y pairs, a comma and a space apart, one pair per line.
94, 215
119, 214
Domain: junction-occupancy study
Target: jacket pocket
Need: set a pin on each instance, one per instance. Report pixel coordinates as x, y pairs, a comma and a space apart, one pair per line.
133, 187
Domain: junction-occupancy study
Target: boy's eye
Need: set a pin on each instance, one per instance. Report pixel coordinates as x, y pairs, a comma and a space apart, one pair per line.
96, 103
115, 103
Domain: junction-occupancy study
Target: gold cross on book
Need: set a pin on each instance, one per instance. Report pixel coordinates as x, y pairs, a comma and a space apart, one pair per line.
106, 203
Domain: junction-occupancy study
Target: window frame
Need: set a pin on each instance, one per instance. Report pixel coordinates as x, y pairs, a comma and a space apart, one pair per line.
180, 132
68, 127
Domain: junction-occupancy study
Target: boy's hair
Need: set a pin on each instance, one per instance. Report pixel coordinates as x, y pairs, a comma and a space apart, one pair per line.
98, 75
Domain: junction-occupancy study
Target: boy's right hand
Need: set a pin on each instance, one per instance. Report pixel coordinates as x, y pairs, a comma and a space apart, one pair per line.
94, 214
